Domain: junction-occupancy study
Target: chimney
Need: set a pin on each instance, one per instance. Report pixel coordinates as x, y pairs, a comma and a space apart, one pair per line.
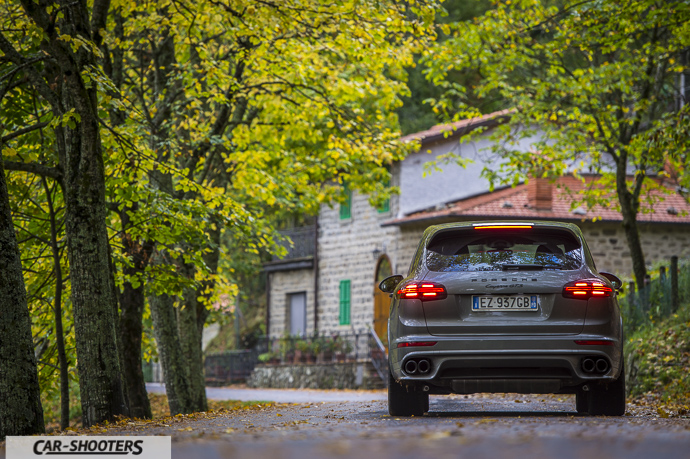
539, 193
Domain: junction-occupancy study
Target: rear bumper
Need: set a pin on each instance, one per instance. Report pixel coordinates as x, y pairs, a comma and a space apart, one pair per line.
469, 364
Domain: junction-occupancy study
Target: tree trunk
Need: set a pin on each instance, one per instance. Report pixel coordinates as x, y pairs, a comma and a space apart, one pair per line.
132, 302
632, 236
131, 299
57, 310
21, 412
211, 260
61, 82
170, 352
118, 336
101, 390
190, 340
193, 316
630, 204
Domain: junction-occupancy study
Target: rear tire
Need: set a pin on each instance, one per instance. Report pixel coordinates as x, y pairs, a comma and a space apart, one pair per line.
404, 403
608, 399
582, 401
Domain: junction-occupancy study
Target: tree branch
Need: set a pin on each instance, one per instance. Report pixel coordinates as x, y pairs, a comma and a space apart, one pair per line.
99, 16
38, 82
21, 132
34, 168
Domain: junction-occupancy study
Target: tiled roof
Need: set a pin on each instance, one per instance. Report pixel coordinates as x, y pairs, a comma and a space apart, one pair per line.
461, 127
512, 203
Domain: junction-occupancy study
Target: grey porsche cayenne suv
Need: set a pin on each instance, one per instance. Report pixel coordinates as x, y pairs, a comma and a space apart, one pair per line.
505, 307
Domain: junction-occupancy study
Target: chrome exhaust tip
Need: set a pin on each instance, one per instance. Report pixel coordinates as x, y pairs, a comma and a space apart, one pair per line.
411, 367
423, 366
588, 365
602, 366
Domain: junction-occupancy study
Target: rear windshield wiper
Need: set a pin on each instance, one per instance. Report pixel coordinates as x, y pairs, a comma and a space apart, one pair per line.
527, 267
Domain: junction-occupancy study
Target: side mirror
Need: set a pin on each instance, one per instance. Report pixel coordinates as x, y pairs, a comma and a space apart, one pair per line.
389, 283
617, 283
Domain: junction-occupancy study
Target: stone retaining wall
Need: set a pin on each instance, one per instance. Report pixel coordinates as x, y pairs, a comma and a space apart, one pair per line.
345, 375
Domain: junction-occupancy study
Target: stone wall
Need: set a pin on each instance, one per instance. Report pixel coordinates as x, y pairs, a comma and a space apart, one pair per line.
282, 284
346, 252
610, 250
345, 375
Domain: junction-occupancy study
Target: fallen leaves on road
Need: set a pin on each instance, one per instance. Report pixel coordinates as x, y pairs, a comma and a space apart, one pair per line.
436, 435
161, 418
486, 421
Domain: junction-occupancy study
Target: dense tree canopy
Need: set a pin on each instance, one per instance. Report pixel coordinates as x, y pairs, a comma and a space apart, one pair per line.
142, 135
417, 112
598, 80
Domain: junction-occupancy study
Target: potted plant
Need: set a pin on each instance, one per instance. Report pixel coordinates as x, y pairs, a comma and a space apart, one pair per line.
342, 348
315, 348
286, 348
347, 349
270, 358
302, 351
326, 349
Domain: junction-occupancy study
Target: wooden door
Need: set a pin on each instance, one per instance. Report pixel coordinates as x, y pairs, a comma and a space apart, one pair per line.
382, 300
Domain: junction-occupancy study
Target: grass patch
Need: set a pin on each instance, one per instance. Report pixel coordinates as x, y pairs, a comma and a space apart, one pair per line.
658, 360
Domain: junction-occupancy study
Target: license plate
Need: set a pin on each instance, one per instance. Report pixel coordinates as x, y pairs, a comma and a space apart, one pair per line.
505, 303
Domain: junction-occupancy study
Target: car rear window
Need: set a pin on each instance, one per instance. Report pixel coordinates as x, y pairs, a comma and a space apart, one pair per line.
533, 249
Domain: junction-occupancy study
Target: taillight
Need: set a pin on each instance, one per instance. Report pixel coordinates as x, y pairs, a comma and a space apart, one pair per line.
586, 288
417, 343
502, 226
594, 342
425, 291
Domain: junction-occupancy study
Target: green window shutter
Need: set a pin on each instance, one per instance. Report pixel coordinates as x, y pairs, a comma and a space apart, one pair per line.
344, 302
386, 205
345, 207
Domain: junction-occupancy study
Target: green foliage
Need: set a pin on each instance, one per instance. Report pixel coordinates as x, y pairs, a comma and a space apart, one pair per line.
591, 85
50, 399
267, 357
239, 113
660, 357
32, 219
417, 113
594, 86
216, 117
646, 307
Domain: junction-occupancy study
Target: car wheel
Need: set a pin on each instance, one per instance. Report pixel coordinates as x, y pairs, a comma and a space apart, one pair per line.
582, 401
608, 399
404, 403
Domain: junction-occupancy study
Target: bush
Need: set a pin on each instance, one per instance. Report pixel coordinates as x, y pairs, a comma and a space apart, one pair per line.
658, 359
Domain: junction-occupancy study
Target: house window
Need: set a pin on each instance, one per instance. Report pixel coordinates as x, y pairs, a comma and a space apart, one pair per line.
345, 207
297, 302
345, 302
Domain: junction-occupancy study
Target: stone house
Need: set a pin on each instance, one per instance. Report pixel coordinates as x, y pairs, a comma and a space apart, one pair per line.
327, 283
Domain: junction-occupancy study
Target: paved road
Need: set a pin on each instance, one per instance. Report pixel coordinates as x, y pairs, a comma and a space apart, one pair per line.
481, 426
282, 395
